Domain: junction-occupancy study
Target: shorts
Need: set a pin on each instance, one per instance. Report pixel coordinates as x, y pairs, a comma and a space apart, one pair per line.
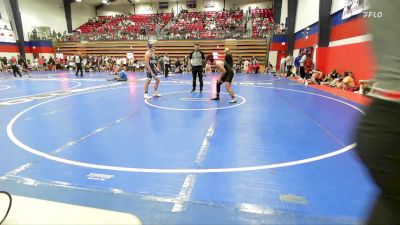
228, 77
149, 76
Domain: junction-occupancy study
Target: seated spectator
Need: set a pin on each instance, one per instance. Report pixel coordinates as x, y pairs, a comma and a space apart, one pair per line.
330, 77
316, 77
51, 64
336, 81
178, 66
256, 67
347, 82
250, 69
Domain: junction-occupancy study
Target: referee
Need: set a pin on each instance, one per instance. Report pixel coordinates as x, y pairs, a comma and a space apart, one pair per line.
196, 59
78, 62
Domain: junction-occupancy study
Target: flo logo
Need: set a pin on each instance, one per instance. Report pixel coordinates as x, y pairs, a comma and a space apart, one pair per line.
98, 176
371, 14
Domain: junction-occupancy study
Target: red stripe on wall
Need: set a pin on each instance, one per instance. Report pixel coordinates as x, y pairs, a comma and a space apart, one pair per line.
352, 28
357, 58
278, 47
39, 50
304, 43
5, 48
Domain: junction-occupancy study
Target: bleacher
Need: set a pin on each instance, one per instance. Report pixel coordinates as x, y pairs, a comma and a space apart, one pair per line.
262, 22
207, 24
131, 23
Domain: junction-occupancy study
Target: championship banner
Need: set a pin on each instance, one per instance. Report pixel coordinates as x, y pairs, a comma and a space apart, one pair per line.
209, 3
7, 36
354, 7
129, 55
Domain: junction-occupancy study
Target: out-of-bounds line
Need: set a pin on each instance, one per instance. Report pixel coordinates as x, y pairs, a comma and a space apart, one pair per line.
190, 180
24, 96
16, 141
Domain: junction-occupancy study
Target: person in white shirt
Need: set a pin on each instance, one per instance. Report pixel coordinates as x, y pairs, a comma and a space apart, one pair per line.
282, 65
289, 65
246, 66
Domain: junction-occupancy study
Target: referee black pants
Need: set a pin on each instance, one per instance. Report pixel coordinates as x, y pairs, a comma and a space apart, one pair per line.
79, 68
378, 146
197, 71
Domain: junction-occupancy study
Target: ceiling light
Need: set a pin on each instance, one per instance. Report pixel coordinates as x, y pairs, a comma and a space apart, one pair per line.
104, 1
78, 0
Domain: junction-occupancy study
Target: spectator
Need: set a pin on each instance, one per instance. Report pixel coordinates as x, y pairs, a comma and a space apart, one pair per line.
316, 76
289, 65
347, 83
282, 66
302, 68
239, 65
297, 63
178, 66
166, 65
246, 66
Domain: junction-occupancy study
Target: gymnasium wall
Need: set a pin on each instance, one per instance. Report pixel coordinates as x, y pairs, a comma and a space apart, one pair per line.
350, 44
278, 46
48, 13
3, 11
284, 11
349, 49
81, 12
32, 47
307, 13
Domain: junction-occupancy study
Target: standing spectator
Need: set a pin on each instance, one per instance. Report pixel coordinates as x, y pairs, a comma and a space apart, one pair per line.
289, 65
196, 60
44, 62
246, 66
158, 29
308, 64
297, 64
14, 67
34, 34
302, 68
161, 63
40, 63
21, 61
239, 65
186, 64
178, 66
166, 65
78, 62
35, 65
282, 66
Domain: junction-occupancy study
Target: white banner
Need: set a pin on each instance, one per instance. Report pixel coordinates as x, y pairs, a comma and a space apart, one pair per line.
7, 36
209, 3
59, 55
129, 55
354, 7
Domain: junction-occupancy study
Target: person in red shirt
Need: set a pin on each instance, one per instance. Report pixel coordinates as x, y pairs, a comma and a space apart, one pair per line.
308, 65
250, 70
